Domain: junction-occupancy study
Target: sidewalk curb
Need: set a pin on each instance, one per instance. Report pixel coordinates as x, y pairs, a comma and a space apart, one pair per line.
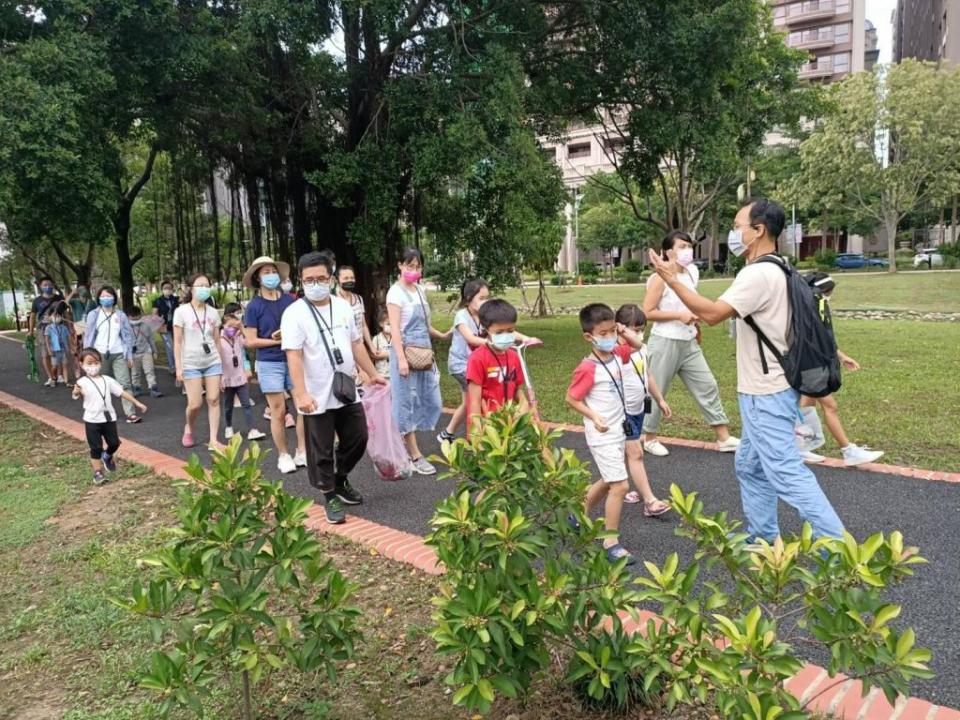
839, 695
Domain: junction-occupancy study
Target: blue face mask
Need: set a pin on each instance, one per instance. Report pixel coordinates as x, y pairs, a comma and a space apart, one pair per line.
271, 281
503, 341
605, 344
202, 293
735, 242
106, 301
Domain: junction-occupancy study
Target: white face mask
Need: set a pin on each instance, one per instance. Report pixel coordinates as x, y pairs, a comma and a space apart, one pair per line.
91, 370
286, 286
317, 293
386, 329
684, 257
735, 242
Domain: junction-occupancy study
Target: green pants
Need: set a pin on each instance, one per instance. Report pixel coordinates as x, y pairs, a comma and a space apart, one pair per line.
669, 358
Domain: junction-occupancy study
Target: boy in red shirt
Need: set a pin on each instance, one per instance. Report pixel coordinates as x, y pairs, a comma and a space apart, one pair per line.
494, 373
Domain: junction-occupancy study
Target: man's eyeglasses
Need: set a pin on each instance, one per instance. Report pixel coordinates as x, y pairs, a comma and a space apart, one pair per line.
315, 283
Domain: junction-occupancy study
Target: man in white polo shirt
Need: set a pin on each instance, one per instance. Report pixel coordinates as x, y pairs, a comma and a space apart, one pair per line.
768, 463
321, 340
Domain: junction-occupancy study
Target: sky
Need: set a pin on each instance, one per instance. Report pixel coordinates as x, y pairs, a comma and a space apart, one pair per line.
879, 13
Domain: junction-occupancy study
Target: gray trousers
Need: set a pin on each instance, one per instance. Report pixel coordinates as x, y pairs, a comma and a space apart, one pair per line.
669, 358
116, 367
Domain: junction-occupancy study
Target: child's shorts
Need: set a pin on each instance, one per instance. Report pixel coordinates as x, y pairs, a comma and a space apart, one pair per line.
58, 358
636, 426
611, 462
461, 379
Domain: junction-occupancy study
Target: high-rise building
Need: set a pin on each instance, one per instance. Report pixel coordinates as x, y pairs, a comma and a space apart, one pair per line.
831, 30
922, 30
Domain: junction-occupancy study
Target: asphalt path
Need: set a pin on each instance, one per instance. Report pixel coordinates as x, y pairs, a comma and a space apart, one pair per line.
927, 512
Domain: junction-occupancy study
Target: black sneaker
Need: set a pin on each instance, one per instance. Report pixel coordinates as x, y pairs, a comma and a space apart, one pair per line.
347, 494
445, 436
336, 515
109, 462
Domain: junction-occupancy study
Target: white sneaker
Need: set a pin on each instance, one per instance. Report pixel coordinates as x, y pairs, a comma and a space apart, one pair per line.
811, 457
255, 435
285, 464
228, 432
729, 445
422, 467
62, 380
300, 459
856, 455
50, 383
655, 447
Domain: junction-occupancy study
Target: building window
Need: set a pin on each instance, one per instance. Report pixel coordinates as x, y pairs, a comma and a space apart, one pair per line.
841, 62
578, 151
795, 38
842, 6
549, 154
842, 33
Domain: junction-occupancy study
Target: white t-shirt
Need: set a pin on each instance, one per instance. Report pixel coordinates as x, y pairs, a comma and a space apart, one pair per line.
760, 290
635, 376
381, 344
98, 394
107, 340
407, 301
198, 328
599, 389
299, 331
669, 302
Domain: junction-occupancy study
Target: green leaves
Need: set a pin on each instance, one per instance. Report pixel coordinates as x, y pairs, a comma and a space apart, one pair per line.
241, 587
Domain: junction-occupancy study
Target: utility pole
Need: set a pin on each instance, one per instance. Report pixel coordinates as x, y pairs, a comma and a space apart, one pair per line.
577, 199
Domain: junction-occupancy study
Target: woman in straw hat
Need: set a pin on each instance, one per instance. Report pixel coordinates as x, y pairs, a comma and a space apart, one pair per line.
261, 319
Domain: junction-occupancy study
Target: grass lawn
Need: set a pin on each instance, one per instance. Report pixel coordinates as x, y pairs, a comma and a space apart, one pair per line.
66, 652
903, 401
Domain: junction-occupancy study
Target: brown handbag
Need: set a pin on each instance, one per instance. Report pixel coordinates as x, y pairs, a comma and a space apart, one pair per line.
419, 357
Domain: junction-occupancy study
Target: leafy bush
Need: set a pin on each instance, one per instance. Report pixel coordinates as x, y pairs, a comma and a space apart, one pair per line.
632, 277
559, 279
241, 588
950, 250
525, 589
588, 269
825, 258
633, 266
735, 264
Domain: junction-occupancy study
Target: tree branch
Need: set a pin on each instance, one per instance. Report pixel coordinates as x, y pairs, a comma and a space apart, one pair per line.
131, 194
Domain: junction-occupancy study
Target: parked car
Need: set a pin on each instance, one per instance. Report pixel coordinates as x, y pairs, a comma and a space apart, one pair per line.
702, 264
853, 261
928, 257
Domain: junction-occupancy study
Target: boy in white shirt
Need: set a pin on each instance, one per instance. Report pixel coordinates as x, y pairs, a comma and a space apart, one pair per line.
99, 416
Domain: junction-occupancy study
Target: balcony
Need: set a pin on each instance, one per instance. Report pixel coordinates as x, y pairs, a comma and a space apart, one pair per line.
801, 12
810, 71
814, 41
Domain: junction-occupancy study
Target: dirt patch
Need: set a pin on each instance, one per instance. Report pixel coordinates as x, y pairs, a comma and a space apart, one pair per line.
50, 704
101, 508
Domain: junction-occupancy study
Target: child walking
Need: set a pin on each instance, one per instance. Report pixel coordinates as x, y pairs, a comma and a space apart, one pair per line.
59, 342
236, 372
99, 416
597, 393
638, 387
144, 353
494, 373
381, 344
853, 454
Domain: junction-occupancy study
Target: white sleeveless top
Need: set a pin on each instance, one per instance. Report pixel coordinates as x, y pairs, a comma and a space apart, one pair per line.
669, 302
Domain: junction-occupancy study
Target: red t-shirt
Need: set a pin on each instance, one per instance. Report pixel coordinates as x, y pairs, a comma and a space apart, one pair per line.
499, 375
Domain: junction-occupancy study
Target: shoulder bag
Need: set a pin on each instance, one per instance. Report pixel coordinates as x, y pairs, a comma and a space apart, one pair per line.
419, 357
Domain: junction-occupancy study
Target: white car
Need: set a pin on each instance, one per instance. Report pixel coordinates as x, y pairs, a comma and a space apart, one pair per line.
928, 257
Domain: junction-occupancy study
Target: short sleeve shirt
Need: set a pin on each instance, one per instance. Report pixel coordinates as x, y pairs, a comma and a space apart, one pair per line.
459, 347
408, 301
598, 385
42, 307
265, 315
198, 327
59, 337
499, 375
98, 394
165, 307
301, 327
760, 290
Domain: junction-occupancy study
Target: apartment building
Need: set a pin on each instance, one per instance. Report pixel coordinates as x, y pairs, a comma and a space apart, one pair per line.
922, 30
832, 31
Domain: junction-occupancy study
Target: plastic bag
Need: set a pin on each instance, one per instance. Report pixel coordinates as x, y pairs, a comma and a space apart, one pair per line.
809, 431
384, 444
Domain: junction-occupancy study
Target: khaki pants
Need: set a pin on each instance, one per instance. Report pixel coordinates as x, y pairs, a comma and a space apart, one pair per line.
143, 365
116, 367
669, 358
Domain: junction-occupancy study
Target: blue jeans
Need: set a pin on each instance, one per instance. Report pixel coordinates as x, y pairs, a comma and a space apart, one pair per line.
168, 344
769, 467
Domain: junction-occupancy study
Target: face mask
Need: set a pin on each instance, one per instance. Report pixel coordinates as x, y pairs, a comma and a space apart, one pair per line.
57, 319
503, 341
106, 301
412, 276
202, 293
386, 329
735, 242
684, 257
136, 323
317, 293
167, 292
230, 332
46, 290
91, 370
286, 286
349, 286
605, 344
271, 281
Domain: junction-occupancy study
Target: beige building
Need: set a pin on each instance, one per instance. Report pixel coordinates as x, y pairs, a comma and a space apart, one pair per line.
832, 31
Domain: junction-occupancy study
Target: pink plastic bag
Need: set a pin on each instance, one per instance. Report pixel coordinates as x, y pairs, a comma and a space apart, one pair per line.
384, 444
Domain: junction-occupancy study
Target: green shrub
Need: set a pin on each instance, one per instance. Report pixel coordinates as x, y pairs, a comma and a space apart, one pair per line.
524, 588
631, 277
633, 266
825, 258
242, 588
588, 269
559, 279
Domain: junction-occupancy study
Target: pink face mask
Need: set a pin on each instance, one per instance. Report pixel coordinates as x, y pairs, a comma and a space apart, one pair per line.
684, 257
230, 331
412, 276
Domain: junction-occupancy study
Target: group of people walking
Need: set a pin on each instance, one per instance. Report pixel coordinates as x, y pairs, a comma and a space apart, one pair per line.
309, 351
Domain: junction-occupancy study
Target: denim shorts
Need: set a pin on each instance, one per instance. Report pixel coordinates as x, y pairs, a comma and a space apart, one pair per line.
461, 380
194, 373
274, 377
636, 426
58, 357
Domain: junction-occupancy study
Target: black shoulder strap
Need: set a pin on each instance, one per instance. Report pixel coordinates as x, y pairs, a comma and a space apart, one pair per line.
313, 314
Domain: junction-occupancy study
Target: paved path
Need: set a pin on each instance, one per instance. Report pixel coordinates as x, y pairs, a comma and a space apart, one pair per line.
928, 512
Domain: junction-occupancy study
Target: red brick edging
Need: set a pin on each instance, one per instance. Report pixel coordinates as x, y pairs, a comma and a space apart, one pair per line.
838, 696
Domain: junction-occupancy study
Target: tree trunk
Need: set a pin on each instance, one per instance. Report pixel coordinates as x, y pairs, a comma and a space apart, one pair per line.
121, 227
297, 191
953, 218
252, 186
890, 223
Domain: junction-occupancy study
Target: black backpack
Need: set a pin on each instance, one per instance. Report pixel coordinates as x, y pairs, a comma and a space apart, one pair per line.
810, 363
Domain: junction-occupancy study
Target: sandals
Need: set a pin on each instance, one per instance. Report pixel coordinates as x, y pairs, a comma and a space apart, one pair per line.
618, 552
187, 440
632, 497
655, 508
